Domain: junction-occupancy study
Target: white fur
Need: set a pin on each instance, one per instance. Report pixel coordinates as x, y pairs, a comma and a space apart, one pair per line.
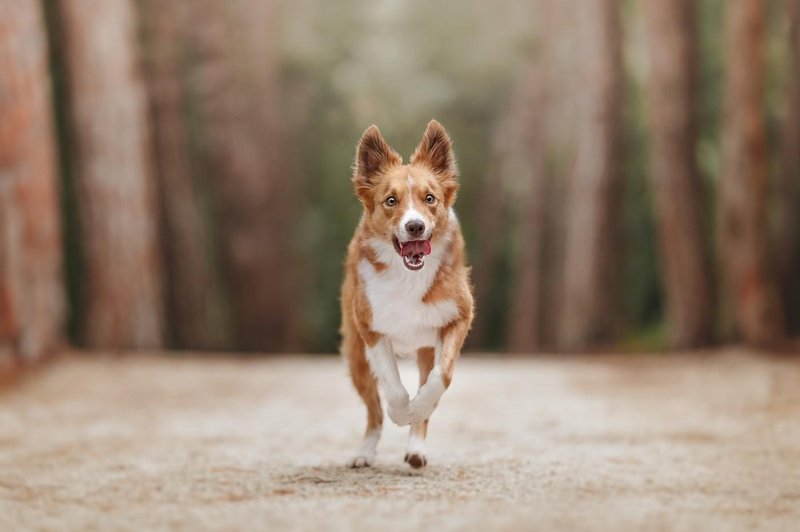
416, 444
395, 297
427, 398
407, 324
365, 456
384, 367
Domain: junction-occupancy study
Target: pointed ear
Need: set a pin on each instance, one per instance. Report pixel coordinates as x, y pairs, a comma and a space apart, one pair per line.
373, 158
435, 152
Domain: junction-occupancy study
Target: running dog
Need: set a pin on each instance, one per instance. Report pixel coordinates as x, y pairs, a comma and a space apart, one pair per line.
406, 291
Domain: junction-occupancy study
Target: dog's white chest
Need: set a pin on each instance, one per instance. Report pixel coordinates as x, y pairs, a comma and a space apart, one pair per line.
398, 311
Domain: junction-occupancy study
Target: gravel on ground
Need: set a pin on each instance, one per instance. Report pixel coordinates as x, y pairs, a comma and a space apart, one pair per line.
705, 441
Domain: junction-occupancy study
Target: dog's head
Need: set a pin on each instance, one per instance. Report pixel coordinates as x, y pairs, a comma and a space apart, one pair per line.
407, 205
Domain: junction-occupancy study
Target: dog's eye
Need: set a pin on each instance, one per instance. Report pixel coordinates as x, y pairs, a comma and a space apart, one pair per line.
391, 201
429, 199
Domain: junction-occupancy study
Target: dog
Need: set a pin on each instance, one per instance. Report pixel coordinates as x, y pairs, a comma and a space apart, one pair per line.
406, 289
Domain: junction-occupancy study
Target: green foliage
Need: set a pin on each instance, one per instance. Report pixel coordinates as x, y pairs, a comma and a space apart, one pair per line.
644, 306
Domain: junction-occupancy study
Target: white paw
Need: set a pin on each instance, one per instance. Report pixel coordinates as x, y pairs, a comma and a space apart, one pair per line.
415, 453
361, 460
426, 401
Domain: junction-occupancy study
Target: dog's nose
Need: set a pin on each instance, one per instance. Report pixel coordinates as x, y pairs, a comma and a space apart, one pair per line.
415, 228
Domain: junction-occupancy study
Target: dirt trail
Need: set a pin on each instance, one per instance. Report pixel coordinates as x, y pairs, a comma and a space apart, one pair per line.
592, 443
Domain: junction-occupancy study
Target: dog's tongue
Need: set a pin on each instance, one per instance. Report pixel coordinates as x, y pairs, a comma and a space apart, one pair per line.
415, 247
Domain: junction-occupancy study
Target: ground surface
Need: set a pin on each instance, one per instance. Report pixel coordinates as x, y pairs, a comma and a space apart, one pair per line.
648, 443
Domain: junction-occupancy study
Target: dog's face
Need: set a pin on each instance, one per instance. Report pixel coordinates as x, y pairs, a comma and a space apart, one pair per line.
407, 205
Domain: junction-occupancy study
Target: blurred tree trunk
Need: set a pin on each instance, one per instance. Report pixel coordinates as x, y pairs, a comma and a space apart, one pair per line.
744, 253
788, 188
235, 80
31, 295
491, 214
528, 298
516, 188
195, 306
590, 303
9, 284
679, 198
113, 177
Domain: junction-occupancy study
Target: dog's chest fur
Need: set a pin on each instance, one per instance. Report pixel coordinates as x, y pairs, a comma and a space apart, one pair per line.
396, 295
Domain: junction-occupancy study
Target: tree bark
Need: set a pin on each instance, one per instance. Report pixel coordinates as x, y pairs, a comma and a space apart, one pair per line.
493, 205
195, 304
743, 236
31, 295
256, 203
114, 182
9, 283
528, 300
679, 197
590, 302
787, 249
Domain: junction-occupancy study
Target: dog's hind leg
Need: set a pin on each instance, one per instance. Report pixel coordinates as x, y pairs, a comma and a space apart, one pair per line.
415, 453
367, 387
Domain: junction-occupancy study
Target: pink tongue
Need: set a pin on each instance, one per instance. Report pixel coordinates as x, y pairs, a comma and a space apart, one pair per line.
415, 247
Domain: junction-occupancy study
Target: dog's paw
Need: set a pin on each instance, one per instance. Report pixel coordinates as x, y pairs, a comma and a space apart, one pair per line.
425, 402
416, 460
398, 413
361, 460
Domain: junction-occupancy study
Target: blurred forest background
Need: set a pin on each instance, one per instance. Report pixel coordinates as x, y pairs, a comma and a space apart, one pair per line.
176, 173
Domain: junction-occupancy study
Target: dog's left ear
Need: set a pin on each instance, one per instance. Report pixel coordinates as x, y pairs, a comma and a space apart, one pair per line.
435, 152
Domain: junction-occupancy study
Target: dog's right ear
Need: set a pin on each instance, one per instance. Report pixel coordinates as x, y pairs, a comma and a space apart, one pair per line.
373, 158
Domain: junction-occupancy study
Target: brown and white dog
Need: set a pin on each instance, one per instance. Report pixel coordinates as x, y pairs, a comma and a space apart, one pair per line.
406, 289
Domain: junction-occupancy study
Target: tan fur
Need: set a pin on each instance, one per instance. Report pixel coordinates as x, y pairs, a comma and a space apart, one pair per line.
379, 173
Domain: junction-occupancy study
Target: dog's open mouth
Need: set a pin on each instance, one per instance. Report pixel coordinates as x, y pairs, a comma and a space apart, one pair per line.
413, 252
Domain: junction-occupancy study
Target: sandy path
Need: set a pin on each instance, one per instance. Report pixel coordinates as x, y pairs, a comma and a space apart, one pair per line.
655, 443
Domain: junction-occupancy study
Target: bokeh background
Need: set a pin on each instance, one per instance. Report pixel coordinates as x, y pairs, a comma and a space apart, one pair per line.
177, 174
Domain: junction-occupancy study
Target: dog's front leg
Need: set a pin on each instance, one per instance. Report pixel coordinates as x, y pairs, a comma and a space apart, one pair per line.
447, 350
384, 366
